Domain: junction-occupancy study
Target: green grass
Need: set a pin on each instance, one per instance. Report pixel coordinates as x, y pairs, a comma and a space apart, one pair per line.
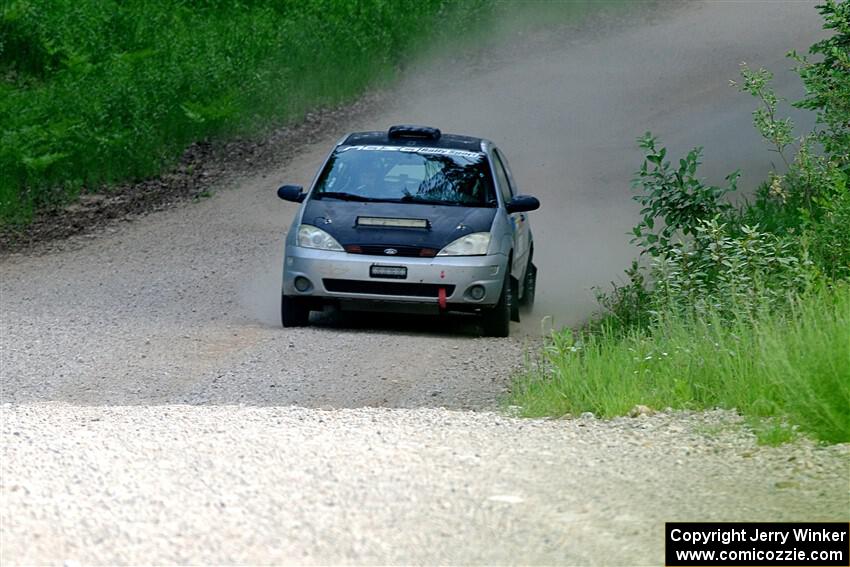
99, 91
792, 367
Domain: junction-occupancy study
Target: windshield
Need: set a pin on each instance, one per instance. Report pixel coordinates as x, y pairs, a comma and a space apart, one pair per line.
407, 174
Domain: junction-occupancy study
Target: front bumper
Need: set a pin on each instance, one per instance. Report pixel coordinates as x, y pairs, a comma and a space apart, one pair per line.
343, 278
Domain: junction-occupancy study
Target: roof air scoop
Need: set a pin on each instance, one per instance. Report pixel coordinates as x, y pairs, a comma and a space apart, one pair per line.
410, 131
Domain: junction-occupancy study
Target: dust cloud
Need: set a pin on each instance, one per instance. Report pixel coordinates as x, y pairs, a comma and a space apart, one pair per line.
566, 103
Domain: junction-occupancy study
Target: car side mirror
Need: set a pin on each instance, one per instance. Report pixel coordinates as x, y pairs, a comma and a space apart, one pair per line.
523, 203
294, 193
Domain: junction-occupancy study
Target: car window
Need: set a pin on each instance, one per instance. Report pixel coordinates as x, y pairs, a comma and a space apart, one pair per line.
407, 174
502, 178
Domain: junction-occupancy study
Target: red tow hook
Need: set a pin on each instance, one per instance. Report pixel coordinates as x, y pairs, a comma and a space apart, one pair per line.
441, 298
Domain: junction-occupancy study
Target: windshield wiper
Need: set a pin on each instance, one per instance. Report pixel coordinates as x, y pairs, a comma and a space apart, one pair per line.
424, 201
345, 196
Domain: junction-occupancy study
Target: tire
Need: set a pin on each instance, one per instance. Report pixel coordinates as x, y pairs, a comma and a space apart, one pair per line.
293, 312
496, 322
529, 286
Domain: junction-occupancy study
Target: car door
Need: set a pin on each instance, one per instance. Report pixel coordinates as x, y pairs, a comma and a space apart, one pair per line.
519, 221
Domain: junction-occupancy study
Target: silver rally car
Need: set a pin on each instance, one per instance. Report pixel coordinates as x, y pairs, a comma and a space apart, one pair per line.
413, 221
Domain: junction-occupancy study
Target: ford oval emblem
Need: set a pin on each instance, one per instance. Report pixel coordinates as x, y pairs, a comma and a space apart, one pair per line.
390, 251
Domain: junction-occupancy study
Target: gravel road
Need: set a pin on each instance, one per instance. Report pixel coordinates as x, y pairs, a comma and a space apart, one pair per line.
249, 485
154, 412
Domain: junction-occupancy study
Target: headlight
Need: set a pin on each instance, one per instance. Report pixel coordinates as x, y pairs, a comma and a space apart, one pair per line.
312, 237
474, 244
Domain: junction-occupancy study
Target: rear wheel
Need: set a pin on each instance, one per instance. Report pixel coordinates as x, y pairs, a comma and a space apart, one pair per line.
293, 312
496, 322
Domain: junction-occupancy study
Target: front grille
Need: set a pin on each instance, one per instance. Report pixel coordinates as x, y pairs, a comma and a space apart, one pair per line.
386, 288
400, 251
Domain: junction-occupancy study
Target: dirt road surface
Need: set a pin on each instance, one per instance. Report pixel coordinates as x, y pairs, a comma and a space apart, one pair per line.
154, 412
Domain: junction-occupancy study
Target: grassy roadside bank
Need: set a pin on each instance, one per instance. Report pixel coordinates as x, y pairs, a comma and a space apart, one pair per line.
793, 365
95, 92
745, 308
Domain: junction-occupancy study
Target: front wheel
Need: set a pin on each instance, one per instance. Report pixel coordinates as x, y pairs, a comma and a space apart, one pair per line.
293, 312
496, 322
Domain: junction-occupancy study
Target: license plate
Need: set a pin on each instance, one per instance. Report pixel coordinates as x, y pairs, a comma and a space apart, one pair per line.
395, 272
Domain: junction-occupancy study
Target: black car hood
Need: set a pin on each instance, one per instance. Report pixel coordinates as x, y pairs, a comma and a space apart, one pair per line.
445, 223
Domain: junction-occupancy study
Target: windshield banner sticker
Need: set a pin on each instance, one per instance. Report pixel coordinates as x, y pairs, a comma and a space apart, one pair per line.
415, 150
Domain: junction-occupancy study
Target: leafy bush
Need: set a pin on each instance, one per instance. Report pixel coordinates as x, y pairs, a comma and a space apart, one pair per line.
709, 255
812, 199
627, 306
829, 236
676, 197
745, 309
704, 257
729, 276
827, 82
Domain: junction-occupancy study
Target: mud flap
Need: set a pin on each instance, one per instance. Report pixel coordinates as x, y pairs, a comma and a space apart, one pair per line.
514, 300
